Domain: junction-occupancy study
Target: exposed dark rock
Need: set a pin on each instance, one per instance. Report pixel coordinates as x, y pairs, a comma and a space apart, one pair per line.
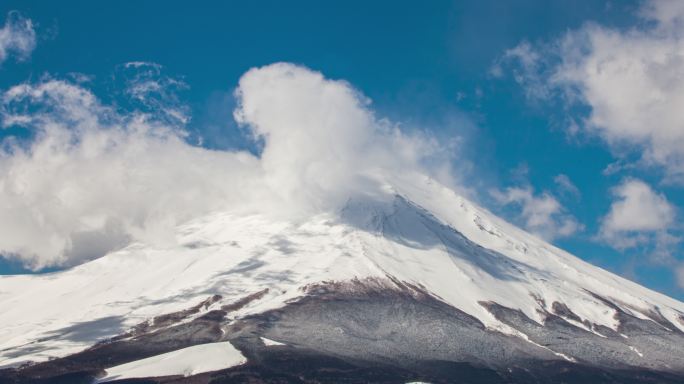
385, 331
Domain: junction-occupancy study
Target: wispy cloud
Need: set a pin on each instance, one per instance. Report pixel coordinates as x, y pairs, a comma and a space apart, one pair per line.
17, 37
541, 214
679, 273
566, 186
528, 71
151, 91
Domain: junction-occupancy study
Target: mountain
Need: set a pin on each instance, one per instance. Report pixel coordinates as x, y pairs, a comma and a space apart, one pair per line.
415, 284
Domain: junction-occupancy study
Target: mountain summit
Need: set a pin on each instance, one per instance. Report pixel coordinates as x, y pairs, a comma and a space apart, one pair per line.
414, 283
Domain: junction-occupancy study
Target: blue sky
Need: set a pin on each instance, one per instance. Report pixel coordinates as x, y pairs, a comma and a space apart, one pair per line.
450, 68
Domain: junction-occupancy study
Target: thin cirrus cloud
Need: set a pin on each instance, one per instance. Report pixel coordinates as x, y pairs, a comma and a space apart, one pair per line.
566, 186
17, 37
93, 178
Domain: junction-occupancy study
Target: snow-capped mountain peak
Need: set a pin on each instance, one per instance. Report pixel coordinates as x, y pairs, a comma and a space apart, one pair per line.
421, 239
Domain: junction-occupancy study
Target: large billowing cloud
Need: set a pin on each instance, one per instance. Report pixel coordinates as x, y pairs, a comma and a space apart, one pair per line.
17, 37
321, 140
93, 178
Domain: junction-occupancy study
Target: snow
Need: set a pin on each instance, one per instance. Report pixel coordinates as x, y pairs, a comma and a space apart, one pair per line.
270, 343
430, 237
186, 362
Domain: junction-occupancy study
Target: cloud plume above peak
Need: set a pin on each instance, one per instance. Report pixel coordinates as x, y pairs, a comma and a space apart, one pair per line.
322, 142
92, 178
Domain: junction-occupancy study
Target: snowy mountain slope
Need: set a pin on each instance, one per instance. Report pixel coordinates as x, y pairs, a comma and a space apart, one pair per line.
498, 282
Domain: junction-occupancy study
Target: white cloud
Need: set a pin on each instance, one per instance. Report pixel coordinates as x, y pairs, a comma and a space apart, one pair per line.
668, 13
322, 140
636, 215
566, 186
679, 274
150, 91
527, 72
94, 177
632, 81
542, 214
17, 37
